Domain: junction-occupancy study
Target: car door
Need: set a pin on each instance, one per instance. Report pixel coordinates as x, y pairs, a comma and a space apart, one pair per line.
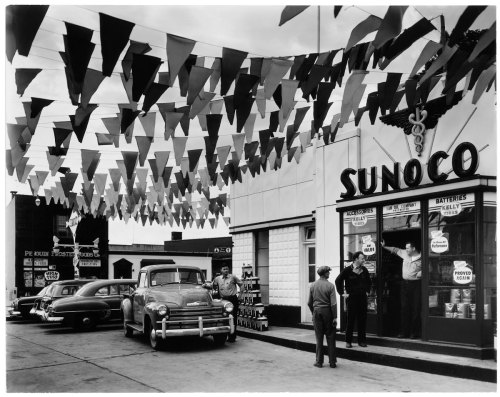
107, 294
139, 297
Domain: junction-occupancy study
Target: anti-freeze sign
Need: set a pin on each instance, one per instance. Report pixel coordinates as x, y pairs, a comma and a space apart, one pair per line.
439, 242
368, 248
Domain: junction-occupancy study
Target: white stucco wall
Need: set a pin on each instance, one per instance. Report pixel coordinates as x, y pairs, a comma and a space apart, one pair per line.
204, 263
284, 266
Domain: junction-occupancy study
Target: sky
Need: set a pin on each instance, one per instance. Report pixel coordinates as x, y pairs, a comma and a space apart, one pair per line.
251, 28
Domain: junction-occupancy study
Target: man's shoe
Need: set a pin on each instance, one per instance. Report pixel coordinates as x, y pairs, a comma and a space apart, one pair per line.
348, 345
333, 365
319, 365
363, 344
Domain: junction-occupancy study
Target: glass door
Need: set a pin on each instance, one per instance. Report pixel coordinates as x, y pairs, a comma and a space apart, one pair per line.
360, 234
401, 223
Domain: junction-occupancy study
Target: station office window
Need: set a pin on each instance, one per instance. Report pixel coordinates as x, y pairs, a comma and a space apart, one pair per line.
452, 253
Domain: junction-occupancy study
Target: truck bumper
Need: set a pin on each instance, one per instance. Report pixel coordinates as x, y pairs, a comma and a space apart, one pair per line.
200, 330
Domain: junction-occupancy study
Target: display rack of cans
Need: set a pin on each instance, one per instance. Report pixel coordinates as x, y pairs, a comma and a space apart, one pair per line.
251, 312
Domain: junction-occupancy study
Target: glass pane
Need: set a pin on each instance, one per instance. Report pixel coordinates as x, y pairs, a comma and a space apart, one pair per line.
312, 273
402, 216
360, 221
311, 255
452, 302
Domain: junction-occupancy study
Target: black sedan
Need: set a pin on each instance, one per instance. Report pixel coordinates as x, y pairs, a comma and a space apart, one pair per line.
21, 306
96, 302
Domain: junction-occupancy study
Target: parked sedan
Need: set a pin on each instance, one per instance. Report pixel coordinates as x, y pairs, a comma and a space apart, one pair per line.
57, 290
21, 306
96, 302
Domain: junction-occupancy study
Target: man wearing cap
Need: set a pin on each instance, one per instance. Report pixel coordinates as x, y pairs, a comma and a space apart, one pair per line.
323, 304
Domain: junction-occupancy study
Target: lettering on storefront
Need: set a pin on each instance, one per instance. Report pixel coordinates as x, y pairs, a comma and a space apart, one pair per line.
412, 173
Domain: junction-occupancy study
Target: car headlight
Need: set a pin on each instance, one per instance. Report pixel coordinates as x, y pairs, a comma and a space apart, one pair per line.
228, 307
162, 311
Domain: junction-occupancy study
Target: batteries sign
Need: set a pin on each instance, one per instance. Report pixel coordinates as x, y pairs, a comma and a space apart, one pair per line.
451, 205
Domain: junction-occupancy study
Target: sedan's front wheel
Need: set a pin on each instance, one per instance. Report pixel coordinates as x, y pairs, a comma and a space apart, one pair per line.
155, 341
85, 322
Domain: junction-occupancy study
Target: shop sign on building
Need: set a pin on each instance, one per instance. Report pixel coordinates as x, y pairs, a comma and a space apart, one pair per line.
359, 218
90, 263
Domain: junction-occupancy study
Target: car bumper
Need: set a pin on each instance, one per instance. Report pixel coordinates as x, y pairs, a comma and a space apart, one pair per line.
13, 313
200, 330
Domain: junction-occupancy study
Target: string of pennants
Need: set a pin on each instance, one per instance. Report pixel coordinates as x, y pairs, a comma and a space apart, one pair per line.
267, 83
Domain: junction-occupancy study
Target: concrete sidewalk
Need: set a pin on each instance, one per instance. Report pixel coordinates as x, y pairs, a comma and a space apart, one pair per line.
400, 357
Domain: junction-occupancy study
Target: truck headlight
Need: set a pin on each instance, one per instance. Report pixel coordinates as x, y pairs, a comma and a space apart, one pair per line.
228, 307
162, 311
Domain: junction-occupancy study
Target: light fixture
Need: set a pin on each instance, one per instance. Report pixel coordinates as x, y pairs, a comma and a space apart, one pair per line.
37, 201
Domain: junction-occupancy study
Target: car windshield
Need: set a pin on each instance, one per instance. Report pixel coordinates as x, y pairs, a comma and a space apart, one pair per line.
176, 276
50, 289
42, 292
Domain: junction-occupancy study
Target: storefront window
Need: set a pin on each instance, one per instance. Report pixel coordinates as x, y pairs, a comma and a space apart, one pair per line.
490, 257
452, 268
360, 234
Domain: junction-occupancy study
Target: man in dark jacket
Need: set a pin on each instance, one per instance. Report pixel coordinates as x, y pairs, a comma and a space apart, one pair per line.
357, 286
323, 305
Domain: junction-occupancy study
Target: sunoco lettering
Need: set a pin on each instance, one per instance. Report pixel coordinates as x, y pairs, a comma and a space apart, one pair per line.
412, 173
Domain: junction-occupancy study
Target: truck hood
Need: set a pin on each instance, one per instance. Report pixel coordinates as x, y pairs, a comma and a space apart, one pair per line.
180, 295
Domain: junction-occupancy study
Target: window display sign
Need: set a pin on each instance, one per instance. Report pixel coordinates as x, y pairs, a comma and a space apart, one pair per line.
402, 209
90, 263
462, 274
51, 275
359, 217
28, 279
368, 247
439, 242
451, 205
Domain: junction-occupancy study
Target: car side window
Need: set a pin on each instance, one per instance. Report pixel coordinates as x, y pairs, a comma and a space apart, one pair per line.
113, 289
68, 291
142, 280
102, 291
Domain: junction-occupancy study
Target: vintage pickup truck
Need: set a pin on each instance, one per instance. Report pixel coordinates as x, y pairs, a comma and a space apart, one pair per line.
171, 301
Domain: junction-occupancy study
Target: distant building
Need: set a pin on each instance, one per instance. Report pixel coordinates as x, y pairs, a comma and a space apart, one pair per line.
208, 254
31, 262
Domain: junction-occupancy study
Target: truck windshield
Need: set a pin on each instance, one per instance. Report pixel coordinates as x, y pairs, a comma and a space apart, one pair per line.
176, 276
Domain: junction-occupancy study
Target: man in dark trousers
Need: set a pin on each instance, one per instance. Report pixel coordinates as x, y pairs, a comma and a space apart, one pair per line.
323, 304
227, 285
410, 288
357, 286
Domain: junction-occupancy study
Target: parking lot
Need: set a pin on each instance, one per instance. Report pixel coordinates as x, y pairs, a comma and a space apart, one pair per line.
49, 358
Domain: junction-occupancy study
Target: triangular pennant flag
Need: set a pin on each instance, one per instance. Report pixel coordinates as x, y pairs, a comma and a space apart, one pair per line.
152, 95
216, 106
81, 114
100, 183
88, 157
144, 70
91, 82
260, 100
390, 88
24, 77
288, 90
179, 144
172, 119
22, 27
194, 157
370, 24
68, 181
214, 78
213, 125
230, 66
243, 112
249, 126
222, 153
299, 117
81, 128
197, 79
135, 47
238, 142
290, 12
200, 103
115, 175
443, 58
484, 41
243, 87
278, 69
352, 85
30, 122
128, 117
482, 83
130, 161
178, 51
54, 163
127, 85
406, 39
318, 73
104, 139
464, 22
430, 49
228, 103
41, 176
143, 144
115, 34
185, 110
390, 26
148, 122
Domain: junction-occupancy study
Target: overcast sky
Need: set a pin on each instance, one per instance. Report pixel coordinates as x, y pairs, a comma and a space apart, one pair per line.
253, 29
